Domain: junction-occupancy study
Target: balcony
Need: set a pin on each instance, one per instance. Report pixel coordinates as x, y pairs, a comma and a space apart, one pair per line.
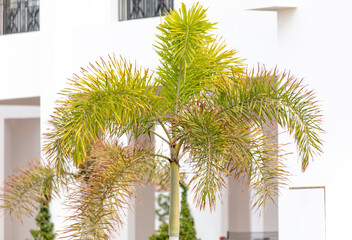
252, 235
270, 5
135, 9
17, 16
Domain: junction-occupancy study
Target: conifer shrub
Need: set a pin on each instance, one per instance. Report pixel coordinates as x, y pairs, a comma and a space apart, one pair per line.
164, 207
187, 229
46, 227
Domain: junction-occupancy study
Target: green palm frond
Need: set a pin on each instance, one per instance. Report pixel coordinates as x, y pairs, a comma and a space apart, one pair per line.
257, 161
203, 130
110, 97
27, 187
104, 190
159, 173
265, 97
183, 33
205, 58
220, 146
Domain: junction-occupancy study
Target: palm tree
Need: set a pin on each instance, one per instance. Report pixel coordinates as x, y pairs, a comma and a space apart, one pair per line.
212, 113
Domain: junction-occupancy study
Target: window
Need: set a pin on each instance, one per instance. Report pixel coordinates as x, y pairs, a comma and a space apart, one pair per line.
19, 16
305, 216
134, 9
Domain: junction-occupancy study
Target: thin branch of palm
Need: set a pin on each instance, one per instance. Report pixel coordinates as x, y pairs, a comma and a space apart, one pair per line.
111, 97
199, 66
26, 187
220, 147
159, 173
267, 171
206, 68
105, 189
268, 96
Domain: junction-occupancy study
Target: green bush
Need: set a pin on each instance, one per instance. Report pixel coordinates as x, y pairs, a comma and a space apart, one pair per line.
162, 233
46, 227
187, 230
163, 212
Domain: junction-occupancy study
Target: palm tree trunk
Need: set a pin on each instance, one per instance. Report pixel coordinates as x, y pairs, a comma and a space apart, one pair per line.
174, 221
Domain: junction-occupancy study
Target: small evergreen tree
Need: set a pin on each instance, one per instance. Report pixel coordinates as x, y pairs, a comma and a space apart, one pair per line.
46, 228
187, 230
162, 233
163, 211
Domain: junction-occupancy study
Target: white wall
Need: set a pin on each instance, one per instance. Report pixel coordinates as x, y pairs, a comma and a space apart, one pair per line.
306, 210
22, 144
144, 213
19, 141
19, 65
314, 41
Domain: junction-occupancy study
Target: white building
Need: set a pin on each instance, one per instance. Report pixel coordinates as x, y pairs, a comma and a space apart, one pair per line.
311, 38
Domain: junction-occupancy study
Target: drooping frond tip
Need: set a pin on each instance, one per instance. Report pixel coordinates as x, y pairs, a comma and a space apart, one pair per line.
104, 190
269, 96
26, 187
108, 97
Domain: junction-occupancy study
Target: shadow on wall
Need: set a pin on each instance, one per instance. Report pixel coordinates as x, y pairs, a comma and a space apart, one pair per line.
22, 143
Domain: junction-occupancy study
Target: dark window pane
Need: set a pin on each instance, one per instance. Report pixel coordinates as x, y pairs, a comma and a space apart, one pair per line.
134, 9
20, 16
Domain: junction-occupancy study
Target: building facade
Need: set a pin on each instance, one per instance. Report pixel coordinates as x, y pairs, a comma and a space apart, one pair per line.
42, 43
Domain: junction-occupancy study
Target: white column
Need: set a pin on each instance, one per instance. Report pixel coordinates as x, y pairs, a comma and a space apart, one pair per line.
2, 174
142, 223
1, 16
145, 213
10, 112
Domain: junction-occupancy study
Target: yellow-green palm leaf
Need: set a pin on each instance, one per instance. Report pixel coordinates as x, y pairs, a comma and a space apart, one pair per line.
104, 188
111, 97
